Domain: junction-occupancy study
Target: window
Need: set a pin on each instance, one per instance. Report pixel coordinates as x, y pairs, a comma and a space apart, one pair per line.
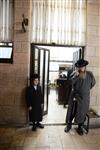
6, 30
59, 21
6, 53
6, 20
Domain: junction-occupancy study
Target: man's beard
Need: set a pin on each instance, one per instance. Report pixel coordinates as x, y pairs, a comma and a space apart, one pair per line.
82, 74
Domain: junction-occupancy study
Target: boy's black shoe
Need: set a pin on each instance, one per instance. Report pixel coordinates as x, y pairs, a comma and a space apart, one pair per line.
34, 128
39, 125
67, 128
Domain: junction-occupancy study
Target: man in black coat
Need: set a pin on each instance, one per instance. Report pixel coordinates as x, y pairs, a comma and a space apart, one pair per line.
35, 102
78, 105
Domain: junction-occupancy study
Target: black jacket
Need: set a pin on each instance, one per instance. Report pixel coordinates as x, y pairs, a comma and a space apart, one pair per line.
34, 99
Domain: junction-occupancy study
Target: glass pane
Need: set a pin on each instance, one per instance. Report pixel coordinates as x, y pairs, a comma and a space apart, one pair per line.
36, 60
41, 67
46, 81
5, 52
36, 53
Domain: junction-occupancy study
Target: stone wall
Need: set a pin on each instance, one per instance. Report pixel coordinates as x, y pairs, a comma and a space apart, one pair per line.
93, 48
14, 77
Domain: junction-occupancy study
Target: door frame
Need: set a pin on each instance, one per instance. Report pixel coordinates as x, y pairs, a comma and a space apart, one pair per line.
82, 51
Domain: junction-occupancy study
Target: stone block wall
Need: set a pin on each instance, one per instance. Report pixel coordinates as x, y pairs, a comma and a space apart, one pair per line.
92, 52
14, 77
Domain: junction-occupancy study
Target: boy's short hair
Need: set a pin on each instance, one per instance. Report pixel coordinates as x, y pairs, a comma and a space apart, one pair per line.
34, 76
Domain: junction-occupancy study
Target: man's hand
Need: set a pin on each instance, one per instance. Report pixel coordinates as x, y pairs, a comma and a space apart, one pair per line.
30, 108
77, 73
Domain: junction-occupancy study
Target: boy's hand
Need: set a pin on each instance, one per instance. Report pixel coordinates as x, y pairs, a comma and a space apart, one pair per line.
42, 106
30, 108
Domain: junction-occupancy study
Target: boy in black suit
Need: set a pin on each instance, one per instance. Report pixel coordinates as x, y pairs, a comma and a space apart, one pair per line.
35, 102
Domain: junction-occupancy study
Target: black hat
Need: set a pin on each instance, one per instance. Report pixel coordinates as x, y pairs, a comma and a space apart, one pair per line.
34, 76
81, 63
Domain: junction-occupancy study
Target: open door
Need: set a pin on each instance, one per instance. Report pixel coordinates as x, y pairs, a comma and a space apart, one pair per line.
40, 58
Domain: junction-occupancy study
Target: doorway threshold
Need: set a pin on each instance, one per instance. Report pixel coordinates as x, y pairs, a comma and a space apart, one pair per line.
54, 124
51, 124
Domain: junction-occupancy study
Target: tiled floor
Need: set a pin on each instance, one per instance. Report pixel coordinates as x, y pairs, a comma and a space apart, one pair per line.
51, 137
56, 112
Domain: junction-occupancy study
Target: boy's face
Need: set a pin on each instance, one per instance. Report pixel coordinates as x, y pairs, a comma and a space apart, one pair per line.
36, 81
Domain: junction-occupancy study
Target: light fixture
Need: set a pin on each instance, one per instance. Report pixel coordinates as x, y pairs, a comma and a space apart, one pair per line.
24, 23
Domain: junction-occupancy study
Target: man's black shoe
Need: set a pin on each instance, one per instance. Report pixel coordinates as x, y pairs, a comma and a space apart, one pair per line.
80, 130
39, 125
67, 128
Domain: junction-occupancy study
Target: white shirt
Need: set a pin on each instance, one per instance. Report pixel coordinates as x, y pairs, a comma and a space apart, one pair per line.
35, 87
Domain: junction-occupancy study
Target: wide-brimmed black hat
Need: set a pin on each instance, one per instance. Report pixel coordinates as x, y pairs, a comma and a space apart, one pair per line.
34, 76
81, 63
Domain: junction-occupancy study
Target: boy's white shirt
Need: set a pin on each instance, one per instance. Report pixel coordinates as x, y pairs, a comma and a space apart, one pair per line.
35, 87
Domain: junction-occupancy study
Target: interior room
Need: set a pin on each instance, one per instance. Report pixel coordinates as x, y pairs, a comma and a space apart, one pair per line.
36, 36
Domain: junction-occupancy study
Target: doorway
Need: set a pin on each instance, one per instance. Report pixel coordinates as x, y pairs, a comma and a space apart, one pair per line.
49, 62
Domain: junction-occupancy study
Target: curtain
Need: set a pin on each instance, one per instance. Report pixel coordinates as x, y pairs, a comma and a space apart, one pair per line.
59, 21
6, 20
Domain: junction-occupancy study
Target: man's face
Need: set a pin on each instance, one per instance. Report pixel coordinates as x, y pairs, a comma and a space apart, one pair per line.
81, 69
36, 82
